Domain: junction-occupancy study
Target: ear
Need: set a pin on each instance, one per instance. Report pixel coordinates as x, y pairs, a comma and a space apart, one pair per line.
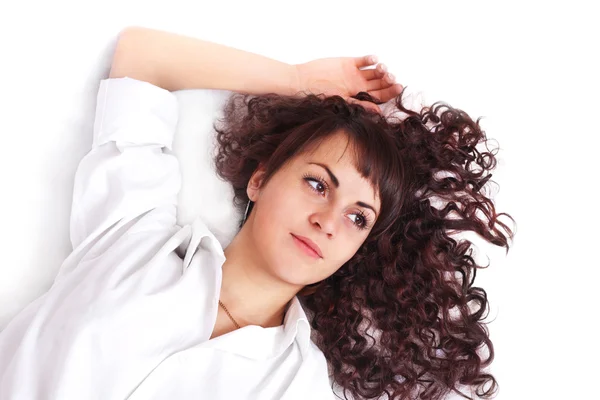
255, 183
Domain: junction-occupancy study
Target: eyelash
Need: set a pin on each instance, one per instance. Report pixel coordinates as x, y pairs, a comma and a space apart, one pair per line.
322, 181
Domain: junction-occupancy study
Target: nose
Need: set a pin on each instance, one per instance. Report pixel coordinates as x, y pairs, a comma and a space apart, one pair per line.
326, 220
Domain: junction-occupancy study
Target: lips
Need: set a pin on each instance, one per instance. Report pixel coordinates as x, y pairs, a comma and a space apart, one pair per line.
310, 244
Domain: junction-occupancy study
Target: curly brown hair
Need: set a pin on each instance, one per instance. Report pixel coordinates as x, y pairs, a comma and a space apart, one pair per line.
402, 316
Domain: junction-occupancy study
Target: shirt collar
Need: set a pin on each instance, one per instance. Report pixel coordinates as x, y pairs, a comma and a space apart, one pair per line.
296, 325
258, 343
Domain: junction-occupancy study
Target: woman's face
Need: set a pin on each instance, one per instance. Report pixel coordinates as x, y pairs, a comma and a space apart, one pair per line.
318, 195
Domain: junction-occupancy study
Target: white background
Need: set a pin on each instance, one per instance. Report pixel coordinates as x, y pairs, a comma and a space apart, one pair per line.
529, 69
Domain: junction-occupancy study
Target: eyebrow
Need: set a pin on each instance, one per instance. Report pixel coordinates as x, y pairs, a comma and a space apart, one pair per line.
335, 181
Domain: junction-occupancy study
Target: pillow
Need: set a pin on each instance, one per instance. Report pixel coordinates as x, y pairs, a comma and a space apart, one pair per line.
203, 194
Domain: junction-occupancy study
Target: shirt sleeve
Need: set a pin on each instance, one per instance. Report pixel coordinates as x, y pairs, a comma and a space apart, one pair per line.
127, 172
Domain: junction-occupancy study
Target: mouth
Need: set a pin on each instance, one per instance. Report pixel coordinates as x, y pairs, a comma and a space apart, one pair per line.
308, 246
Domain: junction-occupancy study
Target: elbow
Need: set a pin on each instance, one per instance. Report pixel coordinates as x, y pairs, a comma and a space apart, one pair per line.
130, 57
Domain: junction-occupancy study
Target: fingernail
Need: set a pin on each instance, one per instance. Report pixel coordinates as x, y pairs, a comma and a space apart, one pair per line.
391, 77
374, 59
383, 67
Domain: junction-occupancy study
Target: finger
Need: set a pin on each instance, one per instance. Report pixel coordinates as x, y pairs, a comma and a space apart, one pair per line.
374, 73
377, 84
365, 61
366, 104
387, 93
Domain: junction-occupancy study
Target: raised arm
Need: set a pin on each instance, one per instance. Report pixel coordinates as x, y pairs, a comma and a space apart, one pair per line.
176, 62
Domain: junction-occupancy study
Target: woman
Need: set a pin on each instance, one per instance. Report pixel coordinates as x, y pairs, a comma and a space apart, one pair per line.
338, 222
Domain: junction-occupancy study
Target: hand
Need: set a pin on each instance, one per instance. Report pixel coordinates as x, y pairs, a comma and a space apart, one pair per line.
345, 77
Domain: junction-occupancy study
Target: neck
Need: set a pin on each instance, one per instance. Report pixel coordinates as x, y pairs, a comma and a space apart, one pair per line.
250, 293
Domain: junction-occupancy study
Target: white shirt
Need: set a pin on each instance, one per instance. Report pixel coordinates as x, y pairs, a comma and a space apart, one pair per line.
131, 311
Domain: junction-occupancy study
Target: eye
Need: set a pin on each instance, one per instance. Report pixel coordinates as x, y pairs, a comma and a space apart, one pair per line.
317, 184
361, 221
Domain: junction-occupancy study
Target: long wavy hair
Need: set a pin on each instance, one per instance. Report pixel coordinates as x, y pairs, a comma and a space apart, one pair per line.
402, 316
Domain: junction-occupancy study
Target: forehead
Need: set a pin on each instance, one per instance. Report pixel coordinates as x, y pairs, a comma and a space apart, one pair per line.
336, 148
339, 154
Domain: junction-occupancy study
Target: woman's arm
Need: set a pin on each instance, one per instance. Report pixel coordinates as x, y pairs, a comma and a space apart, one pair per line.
176, 62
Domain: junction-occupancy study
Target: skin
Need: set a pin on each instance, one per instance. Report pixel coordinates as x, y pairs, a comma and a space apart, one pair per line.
264, 267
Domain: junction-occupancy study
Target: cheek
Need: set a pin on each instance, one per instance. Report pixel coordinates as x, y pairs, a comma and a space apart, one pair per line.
287, 204
345, 249
287, 210
280, 206
277, 215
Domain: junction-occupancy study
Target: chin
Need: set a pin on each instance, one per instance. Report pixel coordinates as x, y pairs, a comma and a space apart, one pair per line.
291, 266
284, 260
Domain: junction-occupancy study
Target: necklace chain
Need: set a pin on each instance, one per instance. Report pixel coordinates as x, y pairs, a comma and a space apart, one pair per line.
227, 311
